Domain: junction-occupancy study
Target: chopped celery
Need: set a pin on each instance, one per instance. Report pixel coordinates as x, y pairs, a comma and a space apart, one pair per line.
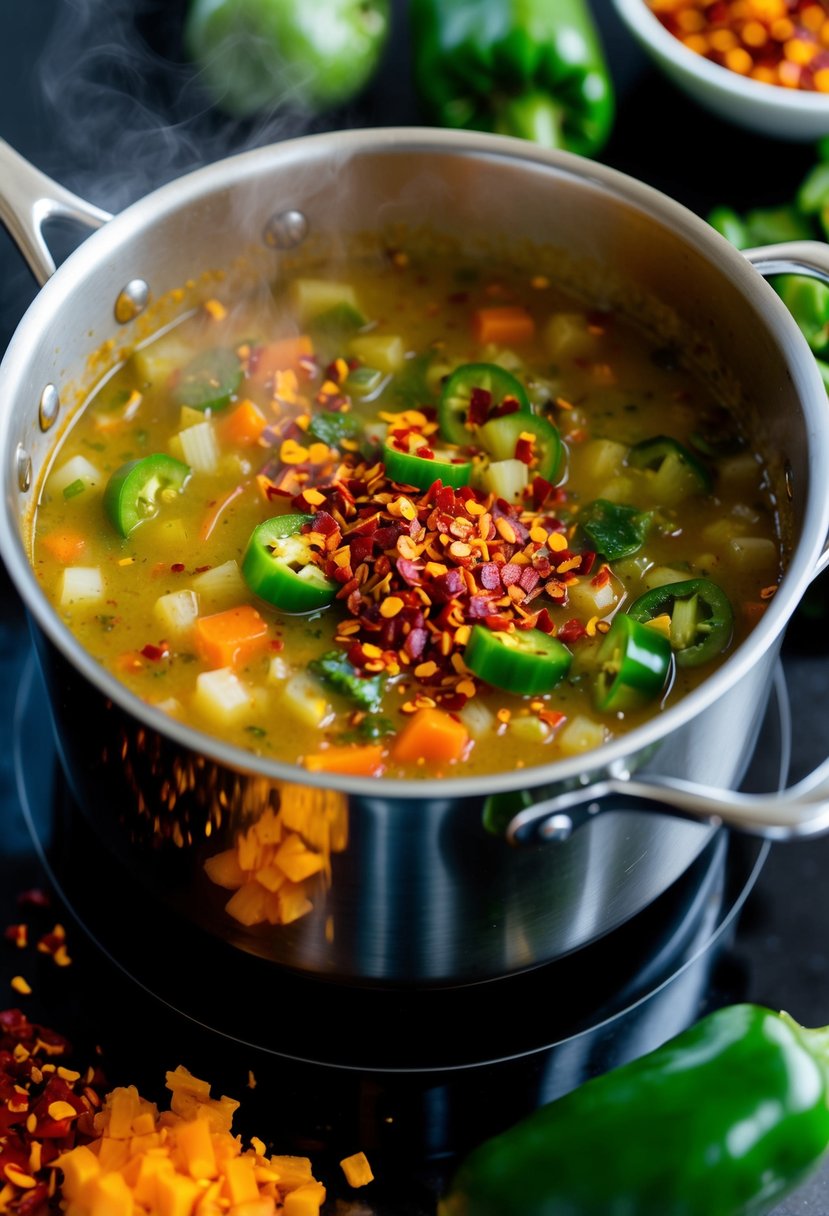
199, 447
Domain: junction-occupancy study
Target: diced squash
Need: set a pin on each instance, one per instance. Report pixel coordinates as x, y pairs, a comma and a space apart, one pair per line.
386, 352
357, 1169
752, 553
248, 905
224, 869
286, 354
296, 860
506, 325
305, 698
312, 297
293, 1171
601, 459
660, 576
580, 734
364, 760
176, 1194
78, 1167
293, 903
221, 696
177, 611
65, 547
221, 584
81, 585
155, 363
588, 600
244, 425
240, 1183
110, 1196
567, 336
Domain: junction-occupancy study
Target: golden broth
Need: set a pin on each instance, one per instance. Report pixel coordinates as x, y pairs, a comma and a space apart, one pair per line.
605, 386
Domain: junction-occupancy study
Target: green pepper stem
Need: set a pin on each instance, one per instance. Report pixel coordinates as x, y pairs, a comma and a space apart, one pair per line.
816, 1039
535, 116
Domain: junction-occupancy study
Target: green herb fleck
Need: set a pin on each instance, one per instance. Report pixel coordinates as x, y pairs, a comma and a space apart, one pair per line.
74, 488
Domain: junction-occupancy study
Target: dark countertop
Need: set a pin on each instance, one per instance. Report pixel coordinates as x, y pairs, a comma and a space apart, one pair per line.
781, 953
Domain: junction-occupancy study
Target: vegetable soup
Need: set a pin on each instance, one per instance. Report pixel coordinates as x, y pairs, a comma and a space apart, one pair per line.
416, 519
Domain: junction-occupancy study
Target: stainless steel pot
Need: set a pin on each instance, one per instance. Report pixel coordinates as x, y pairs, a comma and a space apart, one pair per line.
416, 891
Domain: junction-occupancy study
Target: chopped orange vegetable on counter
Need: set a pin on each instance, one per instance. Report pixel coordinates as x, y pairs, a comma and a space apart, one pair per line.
357, 1169
181, 1162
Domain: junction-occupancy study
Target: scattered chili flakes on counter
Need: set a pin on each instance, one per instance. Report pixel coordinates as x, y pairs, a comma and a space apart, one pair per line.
45, 1110
779, 42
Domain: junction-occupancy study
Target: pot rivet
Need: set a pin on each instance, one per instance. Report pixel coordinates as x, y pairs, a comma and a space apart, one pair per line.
788, 480
24, 467
557, 827
132, 301
49, 407
285, 230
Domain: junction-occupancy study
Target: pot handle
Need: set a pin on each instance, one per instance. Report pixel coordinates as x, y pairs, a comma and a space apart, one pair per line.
28, 198
800, 811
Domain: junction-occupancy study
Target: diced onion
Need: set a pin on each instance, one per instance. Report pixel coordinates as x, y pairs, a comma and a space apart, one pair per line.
177, 611
580, 734
221, 584
199, 447
477, 718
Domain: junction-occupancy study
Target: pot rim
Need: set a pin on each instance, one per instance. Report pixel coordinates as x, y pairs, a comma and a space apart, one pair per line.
612, 757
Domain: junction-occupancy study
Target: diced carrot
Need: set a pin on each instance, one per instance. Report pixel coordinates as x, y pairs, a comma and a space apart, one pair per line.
282, 356
507, 324
64, 547
357, 1169
358, 761
244, 426
232, 637
431, 735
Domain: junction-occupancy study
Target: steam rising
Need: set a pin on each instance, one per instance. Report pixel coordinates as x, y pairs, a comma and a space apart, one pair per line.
127, 111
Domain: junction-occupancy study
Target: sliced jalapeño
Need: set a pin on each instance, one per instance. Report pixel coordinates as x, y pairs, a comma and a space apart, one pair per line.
278, 566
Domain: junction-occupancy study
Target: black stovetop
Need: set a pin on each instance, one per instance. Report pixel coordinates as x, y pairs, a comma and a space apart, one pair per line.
780, 955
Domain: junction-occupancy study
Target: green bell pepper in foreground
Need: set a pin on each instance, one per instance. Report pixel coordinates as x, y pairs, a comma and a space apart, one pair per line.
530, 68
723, 1120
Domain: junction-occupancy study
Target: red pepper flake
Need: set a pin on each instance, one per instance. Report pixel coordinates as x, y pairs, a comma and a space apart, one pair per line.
480, 403
571, 631
33, 898
601, 578
178, 567
524, 450
156, 653
17, 935
544, 622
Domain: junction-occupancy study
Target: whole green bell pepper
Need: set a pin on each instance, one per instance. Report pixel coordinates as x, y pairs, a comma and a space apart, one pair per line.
531, 68
723, 1120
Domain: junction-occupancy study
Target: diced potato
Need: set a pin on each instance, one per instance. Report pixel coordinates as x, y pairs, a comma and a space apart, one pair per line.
221, 696
580, 734
311, 297
660, 576
220, 585
177, 611
189, 417
168, 534
81, 585
602, 459
171, 706
567, 336
278, 670
305, 698
155, 362
77, 469
740, 474
721, 532
383, 351
588, 600
673, 482
199, 447
619, 489
478, 719
305, 1200
508, 359
529, 729
752, 553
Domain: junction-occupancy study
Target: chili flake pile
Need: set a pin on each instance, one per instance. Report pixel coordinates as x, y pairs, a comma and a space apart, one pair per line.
781, 42
45, 1110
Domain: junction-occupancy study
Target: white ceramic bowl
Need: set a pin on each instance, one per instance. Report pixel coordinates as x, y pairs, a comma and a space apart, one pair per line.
791, 114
